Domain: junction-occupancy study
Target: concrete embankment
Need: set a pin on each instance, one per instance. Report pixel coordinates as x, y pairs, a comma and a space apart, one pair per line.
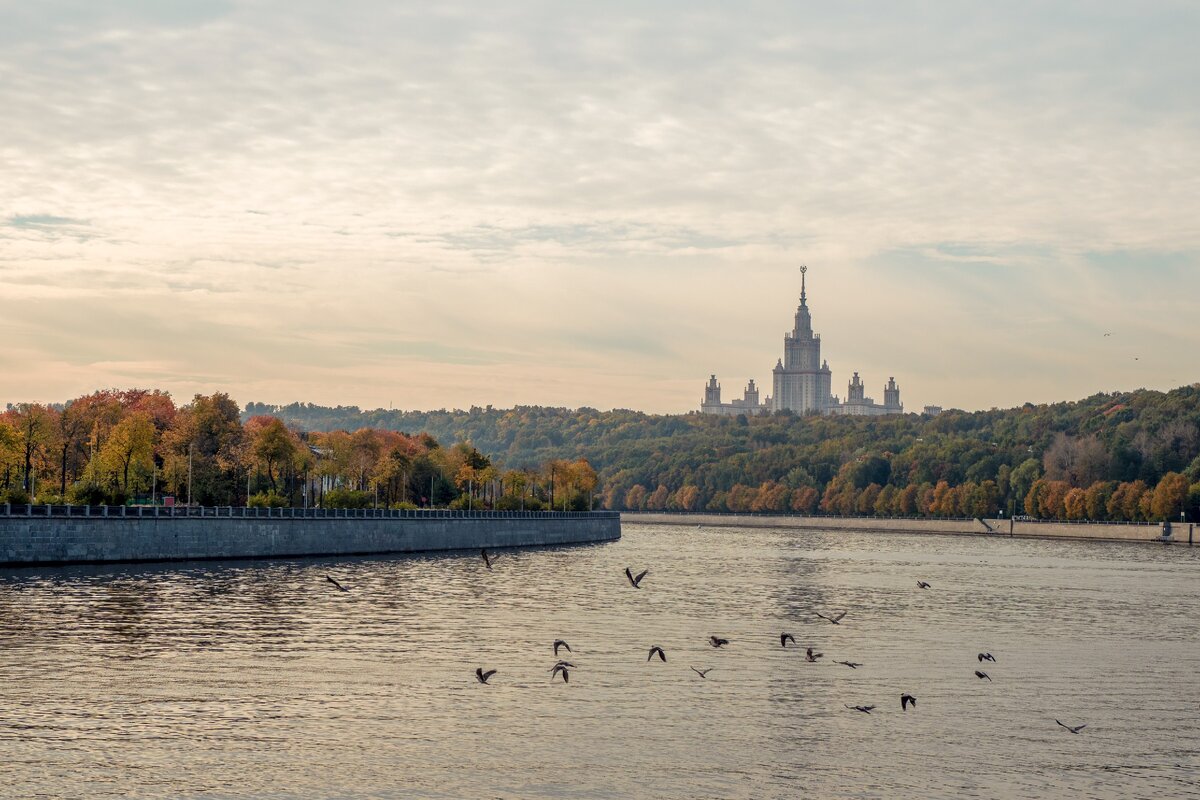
1183, 533
66, 535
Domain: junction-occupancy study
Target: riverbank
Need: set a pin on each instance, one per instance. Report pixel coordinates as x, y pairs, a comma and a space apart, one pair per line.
1184, 534
43, 535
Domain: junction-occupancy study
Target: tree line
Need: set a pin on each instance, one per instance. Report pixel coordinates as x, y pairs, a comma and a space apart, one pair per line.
1112, 456
137, 445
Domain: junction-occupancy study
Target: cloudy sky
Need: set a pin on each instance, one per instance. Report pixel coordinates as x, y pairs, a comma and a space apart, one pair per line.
377, 204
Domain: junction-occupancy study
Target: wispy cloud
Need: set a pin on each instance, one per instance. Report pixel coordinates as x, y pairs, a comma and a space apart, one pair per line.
40, 221
607, 202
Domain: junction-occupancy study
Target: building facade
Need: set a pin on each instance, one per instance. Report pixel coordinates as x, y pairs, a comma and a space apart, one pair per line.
857, 404
802, 380
749, 403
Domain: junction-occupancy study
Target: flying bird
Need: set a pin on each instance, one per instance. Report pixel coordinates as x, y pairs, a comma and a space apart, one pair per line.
332, 580
922, 585
717, 641
703, 673
1075, 729
487, 560
987, 657
906, 700
482, 676
784, 638
811, 657
836, 619
635, 581
1108, 334
560, 668
863, 709
982, 675
562, 664
560, 643
659, 651
850, 664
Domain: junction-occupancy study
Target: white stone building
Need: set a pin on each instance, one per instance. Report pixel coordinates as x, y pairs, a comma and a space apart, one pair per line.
747, 405
803, 381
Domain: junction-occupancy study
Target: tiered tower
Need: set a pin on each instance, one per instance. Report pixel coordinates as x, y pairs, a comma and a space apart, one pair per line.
712, 392
751, 396
856, 390
891, 397
802, 379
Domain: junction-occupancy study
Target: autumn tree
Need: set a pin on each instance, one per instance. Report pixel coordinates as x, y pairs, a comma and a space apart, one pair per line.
74, 425
771, 496
1096, 498
365, 449
885, 503
272, 446
657, 501
11, 452
391, 473
1075, 504
805, 500
35, 424
1125, 502
687, 498
635, 498
129, 447
1169, 498
867, 498
205, 440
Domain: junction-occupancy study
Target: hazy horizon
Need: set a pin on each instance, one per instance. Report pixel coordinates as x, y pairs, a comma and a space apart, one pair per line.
385, 206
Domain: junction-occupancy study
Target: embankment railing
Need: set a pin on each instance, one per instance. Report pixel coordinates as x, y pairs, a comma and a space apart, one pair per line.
242, 512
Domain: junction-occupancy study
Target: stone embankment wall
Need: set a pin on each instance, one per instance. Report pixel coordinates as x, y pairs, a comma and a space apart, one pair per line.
1183, 533
62, 539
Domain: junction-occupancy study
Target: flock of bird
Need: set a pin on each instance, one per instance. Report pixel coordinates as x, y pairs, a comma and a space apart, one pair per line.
562, 668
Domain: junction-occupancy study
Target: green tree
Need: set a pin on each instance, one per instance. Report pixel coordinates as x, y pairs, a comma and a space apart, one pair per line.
1022, 480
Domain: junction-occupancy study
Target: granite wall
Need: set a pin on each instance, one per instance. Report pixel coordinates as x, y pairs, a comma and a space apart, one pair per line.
30, 539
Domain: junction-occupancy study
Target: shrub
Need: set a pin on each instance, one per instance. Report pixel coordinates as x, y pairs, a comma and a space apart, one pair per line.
87, 494
347, 498
267, 500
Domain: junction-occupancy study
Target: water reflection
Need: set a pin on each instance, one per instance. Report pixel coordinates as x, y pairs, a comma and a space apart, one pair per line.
257, 679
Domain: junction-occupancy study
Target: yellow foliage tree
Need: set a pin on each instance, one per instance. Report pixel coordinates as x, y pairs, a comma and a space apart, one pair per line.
129, 448
1075, 504
1169, 498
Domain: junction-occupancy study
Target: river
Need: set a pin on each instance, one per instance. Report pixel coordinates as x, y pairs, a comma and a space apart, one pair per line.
260, 679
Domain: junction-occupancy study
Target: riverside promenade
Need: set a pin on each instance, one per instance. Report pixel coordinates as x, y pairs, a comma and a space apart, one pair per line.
31, 535
1183, 533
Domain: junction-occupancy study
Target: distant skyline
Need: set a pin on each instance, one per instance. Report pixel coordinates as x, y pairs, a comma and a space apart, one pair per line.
379, 204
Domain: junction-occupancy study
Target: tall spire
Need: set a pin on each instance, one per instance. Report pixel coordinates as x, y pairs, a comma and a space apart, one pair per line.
803, 295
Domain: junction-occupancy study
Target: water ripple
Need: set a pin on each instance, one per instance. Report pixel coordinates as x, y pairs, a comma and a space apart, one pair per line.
256, 679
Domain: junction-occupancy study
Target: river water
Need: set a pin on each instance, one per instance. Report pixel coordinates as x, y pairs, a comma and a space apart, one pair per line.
260, 679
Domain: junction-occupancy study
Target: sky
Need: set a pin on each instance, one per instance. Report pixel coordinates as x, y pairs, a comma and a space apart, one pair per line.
387, 205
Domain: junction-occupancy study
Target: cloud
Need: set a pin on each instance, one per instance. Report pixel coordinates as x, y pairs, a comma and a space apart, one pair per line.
619, 195
40, 221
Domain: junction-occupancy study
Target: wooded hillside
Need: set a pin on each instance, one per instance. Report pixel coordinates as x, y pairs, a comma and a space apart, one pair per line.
1126, 456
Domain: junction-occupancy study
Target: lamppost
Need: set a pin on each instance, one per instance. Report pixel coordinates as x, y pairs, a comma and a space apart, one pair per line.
189, 474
